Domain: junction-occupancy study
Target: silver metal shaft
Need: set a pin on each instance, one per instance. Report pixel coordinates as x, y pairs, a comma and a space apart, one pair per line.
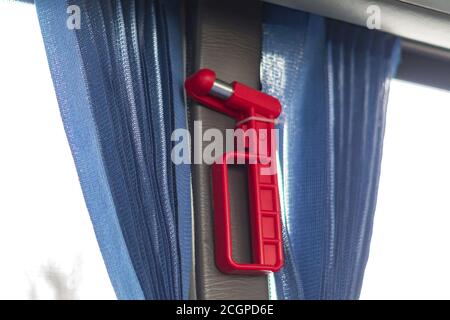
221, 90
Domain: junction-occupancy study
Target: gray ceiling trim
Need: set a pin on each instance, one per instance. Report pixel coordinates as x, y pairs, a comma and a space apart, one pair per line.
402, 19
438, 5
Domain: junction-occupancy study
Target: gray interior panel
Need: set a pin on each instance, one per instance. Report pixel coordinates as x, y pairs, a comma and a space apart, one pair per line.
400, 18
224, 36
438, 5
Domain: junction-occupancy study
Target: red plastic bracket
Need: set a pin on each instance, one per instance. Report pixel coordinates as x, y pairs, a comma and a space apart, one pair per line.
252, 109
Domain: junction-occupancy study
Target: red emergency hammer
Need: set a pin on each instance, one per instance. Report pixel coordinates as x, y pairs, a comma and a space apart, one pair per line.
252, 109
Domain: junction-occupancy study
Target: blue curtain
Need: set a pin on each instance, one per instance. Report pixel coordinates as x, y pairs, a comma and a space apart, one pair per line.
332, 79
118, 82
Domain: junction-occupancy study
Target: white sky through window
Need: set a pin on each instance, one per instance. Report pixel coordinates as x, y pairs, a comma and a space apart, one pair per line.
47, 242
410, 249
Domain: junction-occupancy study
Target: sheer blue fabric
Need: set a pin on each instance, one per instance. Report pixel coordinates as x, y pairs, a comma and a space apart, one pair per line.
118, 81
332, 79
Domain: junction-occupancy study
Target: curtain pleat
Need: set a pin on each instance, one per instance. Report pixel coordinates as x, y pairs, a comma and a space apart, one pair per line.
118, 82
332, 79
